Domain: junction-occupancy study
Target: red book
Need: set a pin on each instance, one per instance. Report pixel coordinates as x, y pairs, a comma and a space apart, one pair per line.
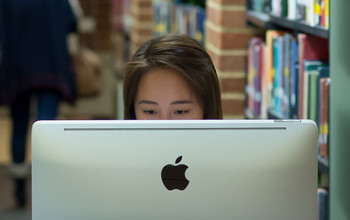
324, 116
310, 48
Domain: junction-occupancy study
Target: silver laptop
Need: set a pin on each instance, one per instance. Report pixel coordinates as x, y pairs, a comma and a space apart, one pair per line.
207, 169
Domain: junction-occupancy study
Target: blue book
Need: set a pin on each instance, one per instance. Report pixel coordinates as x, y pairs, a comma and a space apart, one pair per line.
294, 70
323, 204
200, 33
278, 76
274, 95
287, 39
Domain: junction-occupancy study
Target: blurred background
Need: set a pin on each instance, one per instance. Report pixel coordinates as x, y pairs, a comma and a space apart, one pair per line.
107, 33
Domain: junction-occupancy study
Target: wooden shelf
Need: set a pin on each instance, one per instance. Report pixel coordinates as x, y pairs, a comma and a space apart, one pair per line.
272, 22
259, 19
300, 26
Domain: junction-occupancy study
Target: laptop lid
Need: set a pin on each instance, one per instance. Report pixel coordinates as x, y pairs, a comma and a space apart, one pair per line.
207, 169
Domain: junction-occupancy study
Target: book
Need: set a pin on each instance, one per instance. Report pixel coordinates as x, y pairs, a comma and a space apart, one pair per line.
323, 73
294, 80
284, 8
276, 7
252, 76
324, 117
265, 93
270, 70
323, 204
288, 65
326, 14
312, 95
179, 18
260, 49
292, 9
310, 88
306, 11
309, 48
278, 76
317, 12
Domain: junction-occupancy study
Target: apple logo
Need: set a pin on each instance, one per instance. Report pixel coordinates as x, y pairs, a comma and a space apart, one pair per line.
173, 176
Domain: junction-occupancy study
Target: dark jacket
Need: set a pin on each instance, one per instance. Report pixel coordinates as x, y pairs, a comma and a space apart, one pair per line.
34, 49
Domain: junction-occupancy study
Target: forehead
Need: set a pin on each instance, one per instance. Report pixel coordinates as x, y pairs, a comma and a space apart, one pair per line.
162, 82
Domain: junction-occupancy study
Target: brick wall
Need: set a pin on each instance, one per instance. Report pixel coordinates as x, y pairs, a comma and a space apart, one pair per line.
227, 37
100, 11
142, 25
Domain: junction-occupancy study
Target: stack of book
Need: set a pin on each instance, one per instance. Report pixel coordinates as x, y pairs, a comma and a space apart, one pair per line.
289, 77
311, 12
170, 17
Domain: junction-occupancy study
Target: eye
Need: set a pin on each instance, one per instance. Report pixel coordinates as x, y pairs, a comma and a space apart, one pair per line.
150, 112
181, 112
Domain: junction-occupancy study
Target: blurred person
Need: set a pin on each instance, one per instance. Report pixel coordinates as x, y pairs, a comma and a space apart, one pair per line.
35, 63
171, 77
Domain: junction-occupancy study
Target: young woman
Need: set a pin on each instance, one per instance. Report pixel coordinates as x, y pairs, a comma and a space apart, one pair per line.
171, 77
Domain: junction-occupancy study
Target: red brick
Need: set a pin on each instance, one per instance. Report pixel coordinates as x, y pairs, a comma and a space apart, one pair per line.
227, 19
228, 62
233, 106
229, 41
143, 18
139, 39
143, 31
142, 3
232, 84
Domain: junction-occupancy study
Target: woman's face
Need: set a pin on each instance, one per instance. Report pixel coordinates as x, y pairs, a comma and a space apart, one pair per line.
163, 94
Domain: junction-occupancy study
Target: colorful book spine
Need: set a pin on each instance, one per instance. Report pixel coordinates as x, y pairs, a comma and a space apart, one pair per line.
309, 48
294, 80
324, 116
287, 40
179, 18
256, 60
275, 82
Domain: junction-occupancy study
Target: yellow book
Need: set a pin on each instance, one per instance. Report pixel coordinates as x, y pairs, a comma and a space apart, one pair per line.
326, 14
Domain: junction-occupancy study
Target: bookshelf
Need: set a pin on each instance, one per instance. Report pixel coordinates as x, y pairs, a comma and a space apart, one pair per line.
292, 49
299, 26
270, 22
259, 19
267, 21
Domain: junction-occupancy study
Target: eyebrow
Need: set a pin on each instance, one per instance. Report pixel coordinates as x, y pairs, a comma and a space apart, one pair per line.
149, 102
182, 102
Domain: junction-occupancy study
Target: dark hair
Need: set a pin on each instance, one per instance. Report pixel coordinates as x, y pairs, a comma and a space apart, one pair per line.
186, 57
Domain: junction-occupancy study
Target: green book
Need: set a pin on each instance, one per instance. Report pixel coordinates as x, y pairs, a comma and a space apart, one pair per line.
312, 113
310, 68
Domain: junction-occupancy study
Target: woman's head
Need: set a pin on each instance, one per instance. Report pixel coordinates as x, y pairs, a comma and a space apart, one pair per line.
175, 68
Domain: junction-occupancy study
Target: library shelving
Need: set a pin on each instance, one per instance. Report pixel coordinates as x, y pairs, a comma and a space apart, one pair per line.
270, 21
274, 23
338, 34
270, 86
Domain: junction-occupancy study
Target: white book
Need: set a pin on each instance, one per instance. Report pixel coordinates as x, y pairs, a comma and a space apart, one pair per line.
310, 12
276, 7
292, 9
